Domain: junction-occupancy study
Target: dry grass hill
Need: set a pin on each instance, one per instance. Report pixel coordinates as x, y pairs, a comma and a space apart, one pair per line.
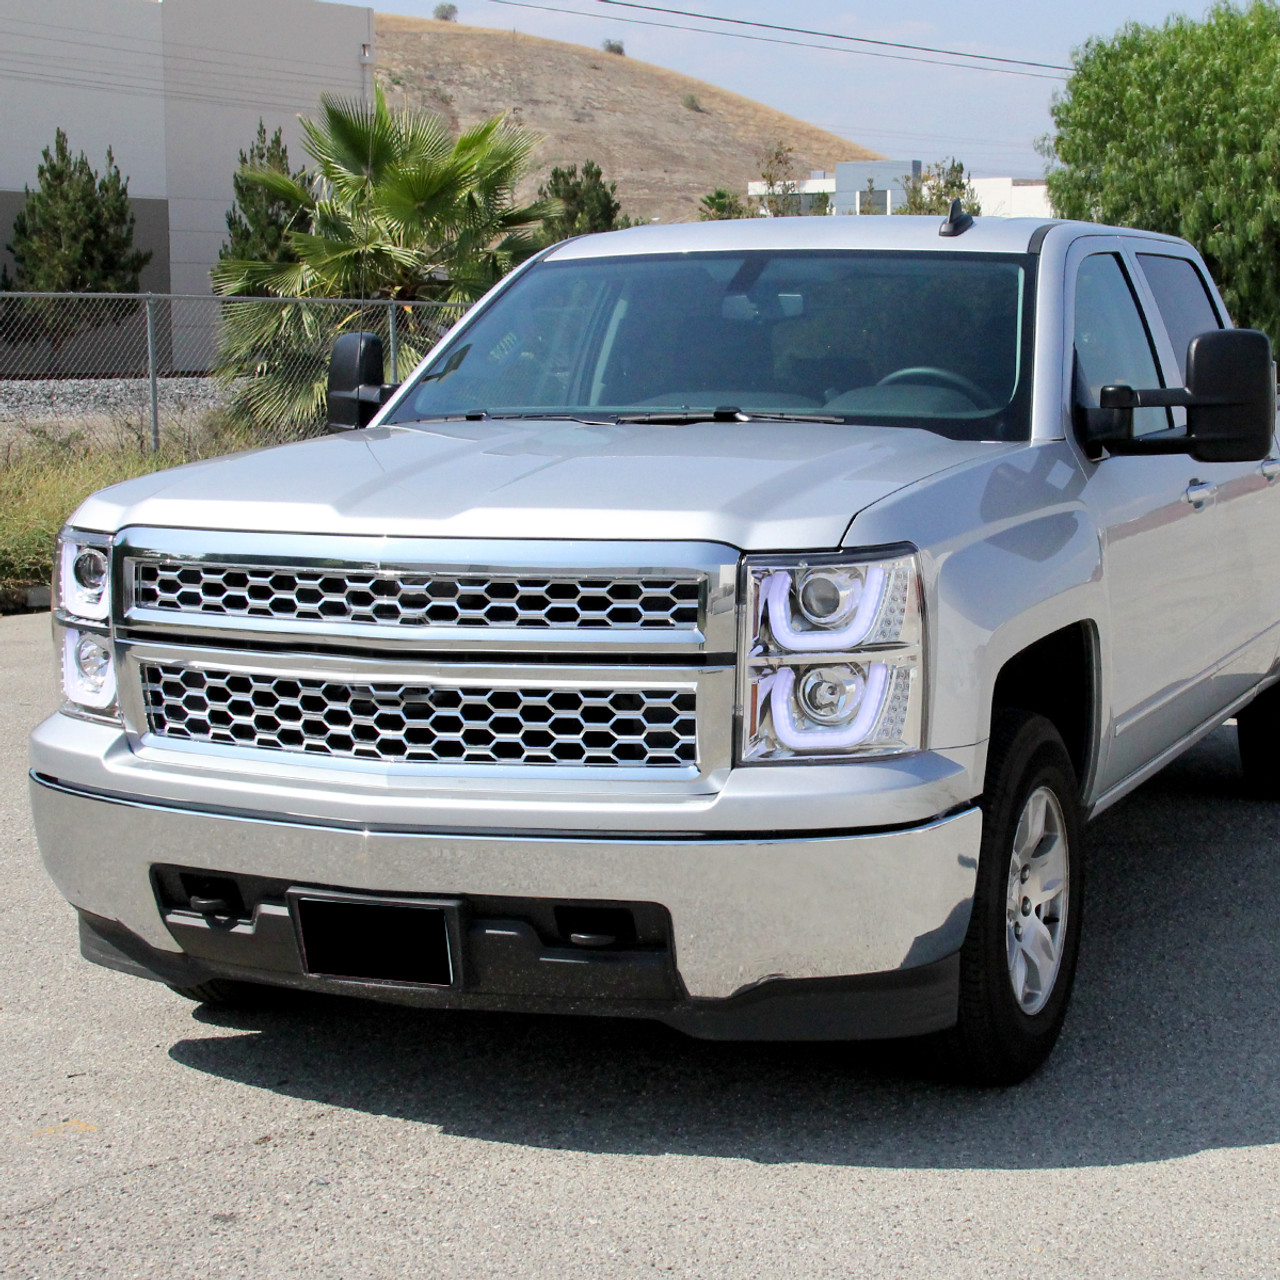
630, 117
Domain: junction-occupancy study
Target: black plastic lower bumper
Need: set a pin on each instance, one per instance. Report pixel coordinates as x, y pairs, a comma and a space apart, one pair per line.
509, 968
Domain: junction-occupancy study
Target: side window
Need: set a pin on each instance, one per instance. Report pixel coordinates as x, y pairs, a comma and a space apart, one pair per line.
1183, 299
1111, 339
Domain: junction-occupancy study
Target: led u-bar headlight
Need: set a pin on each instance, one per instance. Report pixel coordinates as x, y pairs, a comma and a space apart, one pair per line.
82, 631
831, 656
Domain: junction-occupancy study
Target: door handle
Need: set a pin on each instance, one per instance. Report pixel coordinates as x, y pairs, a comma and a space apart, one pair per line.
1199, 493
1270, 469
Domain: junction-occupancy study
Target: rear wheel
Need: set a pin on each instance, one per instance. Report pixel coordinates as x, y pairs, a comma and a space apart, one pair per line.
1018, 961
1258, 733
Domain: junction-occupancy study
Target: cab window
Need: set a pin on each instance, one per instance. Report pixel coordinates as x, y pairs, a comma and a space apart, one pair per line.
1112, 345
1183, 298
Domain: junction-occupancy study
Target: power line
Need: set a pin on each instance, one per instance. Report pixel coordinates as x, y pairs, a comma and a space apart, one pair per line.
161, 63
163, 46
833, 35
152, 91
795, 44
1003, 144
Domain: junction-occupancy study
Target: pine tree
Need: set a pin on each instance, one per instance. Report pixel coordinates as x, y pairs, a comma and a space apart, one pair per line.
74, 234
589, 204
259, 219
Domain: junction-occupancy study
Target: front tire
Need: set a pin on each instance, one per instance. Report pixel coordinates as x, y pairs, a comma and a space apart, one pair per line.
1018, 960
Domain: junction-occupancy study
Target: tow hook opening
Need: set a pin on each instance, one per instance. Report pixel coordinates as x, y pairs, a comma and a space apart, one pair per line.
596, 927
217, 896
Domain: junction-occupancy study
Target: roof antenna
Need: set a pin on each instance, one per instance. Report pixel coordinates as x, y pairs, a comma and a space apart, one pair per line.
958, 222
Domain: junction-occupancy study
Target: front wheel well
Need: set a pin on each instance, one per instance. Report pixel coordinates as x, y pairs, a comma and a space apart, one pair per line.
1056, 678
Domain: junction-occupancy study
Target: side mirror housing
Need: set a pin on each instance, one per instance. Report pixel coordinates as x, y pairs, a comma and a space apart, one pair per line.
1230, 398
356, 390
1232, 381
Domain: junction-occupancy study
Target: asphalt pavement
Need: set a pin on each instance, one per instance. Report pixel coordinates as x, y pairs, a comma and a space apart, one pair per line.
145, 1136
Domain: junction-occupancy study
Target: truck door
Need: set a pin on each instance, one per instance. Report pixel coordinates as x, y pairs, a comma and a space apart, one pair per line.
1247, 503
1173, 613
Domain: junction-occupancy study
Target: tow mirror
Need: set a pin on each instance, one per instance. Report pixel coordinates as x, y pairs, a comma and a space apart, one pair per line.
1230, 399
356, 389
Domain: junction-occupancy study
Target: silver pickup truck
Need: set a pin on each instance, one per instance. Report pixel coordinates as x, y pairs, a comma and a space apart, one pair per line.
729, 624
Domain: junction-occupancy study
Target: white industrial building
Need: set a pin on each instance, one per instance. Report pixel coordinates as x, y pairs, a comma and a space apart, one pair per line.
879, 186
175, 88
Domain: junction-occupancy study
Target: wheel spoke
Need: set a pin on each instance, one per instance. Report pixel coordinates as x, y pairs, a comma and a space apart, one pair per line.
1040, 951
1048, 872
1018, 973
1030, 827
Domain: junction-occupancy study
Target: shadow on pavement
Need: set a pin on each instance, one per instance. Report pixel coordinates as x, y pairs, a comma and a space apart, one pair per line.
1169, 1047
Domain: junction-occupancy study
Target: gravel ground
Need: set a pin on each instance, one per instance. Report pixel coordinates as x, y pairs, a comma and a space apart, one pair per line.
144, 1136
106, 409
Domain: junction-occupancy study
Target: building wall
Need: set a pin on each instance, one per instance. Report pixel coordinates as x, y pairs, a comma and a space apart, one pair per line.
176, 89
229, 63
1013, 197
888, 175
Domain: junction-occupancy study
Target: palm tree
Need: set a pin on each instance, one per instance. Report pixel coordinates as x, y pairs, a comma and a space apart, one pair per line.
395, 209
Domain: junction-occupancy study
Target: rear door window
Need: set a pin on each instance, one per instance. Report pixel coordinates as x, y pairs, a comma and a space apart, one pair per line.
1183, 298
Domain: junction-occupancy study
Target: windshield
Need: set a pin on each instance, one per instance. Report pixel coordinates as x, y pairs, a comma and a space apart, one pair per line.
932, 340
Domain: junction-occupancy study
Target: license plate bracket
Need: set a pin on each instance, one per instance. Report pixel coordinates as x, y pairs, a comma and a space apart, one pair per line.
367, 938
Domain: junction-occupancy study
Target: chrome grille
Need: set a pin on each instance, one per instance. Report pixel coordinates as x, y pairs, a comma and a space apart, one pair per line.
419, 723
417, 599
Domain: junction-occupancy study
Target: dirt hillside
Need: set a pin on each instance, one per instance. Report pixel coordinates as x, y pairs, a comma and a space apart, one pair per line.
630, 117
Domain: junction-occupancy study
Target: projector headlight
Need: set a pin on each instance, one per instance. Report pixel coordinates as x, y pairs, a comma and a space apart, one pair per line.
82, 583
832, 653
82, 626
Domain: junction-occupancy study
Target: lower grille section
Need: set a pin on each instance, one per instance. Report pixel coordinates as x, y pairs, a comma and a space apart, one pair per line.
426, 724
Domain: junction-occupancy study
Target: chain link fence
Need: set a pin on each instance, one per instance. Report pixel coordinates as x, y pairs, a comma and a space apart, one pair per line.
150, 367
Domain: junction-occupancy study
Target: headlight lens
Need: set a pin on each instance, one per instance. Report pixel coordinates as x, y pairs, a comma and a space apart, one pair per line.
832, 661
83, 580
88, 670
82, 630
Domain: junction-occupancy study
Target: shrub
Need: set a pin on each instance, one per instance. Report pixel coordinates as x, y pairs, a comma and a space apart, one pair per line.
691, 101
42, 485
614, 46
445, 13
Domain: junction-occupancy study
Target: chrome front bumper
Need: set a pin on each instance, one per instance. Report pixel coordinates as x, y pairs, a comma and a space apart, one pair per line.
745, 909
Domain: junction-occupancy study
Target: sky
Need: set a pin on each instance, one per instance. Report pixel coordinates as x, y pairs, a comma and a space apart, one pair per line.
908, 110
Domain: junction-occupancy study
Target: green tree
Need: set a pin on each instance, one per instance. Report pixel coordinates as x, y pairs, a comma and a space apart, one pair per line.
580, 204
445, 13
1176, 129
74, 233
259, 220
722, 205
936, 187
614, 46
781, 197
395, 208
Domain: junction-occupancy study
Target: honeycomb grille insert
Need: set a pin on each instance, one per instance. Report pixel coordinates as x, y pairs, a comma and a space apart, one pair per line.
351, 595
423, 724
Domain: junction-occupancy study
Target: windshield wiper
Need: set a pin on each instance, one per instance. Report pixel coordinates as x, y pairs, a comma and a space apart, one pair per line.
726, 414
563, 416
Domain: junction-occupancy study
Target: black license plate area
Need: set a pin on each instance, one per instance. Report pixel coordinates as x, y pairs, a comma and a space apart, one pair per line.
377, 939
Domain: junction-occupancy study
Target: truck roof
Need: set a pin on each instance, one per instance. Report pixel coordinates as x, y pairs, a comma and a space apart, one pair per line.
919, 232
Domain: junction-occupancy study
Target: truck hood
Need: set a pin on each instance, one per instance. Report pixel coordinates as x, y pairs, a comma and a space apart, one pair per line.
752, 485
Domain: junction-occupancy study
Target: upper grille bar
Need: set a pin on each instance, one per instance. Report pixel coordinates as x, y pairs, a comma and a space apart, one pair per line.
417, 595
401, 599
